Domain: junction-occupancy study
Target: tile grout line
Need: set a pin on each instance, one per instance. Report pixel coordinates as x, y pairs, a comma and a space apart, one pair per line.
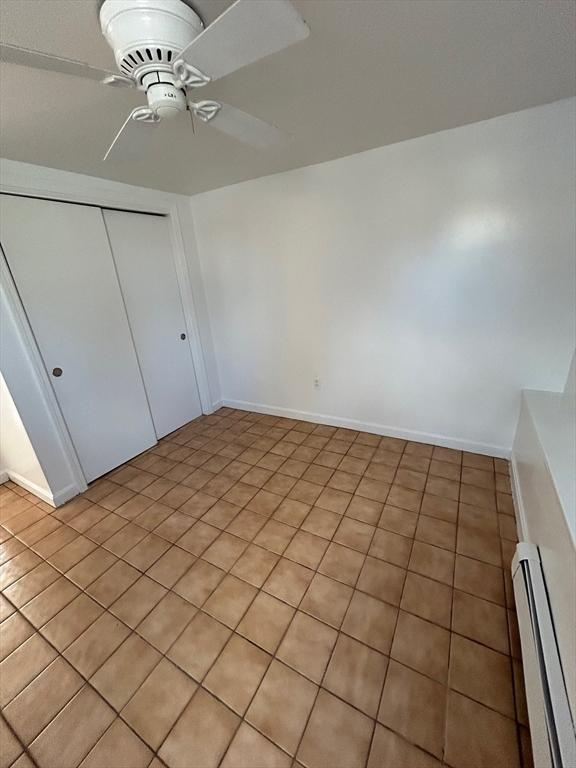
20, 742
269, 517
74, 696
83, 590
339, 632
164, 655
199, 683
197, 557
376, 721
448, 689
174, 542
121, 557
275, 658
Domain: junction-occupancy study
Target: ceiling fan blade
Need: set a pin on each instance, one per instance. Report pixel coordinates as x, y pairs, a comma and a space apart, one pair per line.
248, 31
13, 54
132, 139
243, 127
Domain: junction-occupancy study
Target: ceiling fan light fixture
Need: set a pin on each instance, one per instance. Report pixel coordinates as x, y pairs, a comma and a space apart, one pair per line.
166, 100
148, 35
162, 48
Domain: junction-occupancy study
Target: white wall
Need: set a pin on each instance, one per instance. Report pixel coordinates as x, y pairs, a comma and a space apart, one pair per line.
17, 458
425, 283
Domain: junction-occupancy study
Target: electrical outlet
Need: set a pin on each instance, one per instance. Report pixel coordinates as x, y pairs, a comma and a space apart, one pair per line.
317, 382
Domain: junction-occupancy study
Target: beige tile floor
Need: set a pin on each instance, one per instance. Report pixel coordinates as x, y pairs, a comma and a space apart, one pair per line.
263, 592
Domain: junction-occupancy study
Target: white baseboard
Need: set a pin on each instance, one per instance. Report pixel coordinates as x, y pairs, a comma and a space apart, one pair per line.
215, 406
55, 500
65, 494
518, 502
4, 476
379, 429
37, 490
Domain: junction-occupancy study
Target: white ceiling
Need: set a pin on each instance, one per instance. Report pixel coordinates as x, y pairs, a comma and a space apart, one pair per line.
372, 72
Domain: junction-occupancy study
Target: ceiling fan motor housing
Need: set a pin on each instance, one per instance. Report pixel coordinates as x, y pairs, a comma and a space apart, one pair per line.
146, 37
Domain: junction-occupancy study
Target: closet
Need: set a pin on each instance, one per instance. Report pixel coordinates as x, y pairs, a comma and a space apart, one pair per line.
140, 244
100, 291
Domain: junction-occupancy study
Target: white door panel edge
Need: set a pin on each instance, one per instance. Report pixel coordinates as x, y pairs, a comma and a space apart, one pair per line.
61, 465
190, 300
80, 327
142, 253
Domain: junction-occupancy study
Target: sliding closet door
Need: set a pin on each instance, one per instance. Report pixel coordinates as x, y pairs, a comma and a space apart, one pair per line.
143, 255
60, 258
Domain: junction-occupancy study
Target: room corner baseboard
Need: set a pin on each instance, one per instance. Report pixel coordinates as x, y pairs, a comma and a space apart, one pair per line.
378, 429
65, 494
518, 501
55, 500
215, 406
4, 476
42, 493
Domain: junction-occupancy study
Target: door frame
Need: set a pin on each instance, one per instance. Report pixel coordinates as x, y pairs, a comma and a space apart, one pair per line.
62, 186
15, 310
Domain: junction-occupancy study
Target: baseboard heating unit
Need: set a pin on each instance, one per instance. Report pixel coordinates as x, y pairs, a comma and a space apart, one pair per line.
551, 723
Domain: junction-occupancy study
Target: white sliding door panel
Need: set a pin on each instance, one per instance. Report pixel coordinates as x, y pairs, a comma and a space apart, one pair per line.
143, 255
60, 258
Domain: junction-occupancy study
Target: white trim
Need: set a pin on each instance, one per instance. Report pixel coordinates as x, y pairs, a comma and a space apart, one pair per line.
521, 523
188, 305
64, 495
378, 429
53, 184
217, 404
42, 494
4, 476
16, 310
55, 500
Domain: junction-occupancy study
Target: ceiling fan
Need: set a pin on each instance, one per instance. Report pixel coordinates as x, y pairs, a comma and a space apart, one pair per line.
162, 48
